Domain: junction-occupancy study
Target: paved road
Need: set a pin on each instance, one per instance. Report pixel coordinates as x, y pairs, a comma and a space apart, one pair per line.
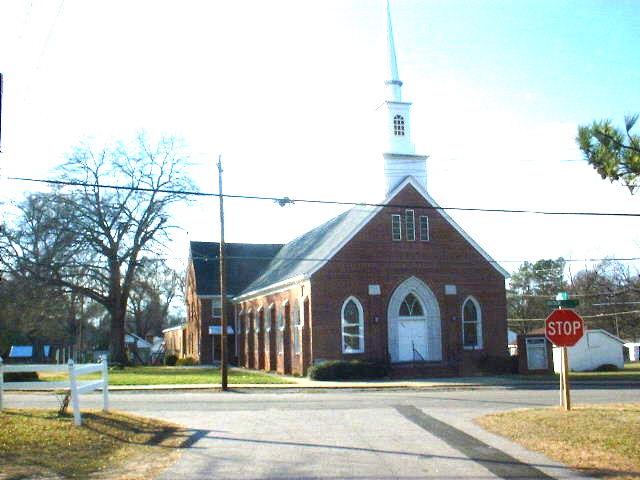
345, 434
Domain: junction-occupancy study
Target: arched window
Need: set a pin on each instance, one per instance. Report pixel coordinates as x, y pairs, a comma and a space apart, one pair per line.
398, 126
471, 324
411, 307
352, 326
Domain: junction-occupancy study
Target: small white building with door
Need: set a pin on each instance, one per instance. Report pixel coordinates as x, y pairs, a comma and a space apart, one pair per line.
634, 351
595, 348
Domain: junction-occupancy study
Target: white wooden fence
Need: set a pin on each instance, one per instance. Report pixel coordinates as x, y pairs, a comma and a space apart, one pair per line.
75, 386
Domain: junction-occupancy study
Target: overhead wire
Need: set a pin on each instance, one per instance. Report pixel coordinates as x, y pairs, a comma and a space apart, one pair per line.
286, 200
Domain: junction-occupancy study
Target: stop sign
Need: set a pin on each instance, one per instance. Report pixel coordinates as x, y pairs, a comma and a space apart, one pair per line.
564, 328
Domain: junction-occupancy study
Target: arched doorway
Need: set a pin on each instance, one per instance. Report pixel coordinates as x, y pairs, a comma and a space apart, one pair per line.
414, 325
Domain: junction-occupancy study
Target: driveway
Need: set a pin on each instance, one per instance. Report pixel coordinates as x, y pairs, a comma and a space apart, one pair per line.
345, 434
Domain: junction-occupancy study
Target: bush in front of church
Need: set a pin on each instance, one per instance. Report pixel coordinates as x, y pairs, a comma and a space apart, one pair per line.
348, 370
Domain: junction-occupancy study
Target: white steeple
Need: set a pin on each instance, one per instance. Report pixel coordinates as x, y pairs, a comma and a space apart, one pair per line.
400, 161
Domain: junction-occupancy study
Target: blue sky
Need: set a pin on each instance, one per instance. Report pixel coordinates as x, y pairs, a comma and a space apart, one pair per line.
287, 92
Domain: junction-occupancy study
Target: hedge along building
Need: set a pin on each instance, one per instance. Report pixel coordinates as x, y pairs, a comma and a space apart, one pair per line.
396, 282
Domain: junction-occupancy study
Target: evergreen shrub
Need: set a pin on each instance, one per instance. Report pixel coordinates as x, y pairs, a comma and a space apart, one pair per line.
348, 370
185, 362
170, 360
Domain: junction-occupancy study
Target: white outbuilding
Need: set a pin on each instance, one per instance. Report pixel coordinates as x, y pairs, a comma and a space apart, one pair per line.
595, 348
634, 351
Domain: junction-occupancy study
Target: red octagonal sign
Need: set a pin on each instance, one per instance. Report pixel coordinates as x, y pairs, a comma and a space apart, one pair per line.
564, 328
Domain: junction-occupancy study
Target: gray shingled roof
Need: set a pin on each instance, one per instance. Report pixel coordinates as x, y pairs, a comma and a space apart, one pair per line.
244, 262
307, 252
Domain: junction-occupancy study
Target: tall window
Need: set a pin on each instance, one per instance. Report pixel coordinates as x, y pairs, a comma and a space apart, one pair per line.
398, 126
297, 330
267, 330
396, 227
280, 331
410, 223
424, 229
216, 308
352, 326
471, 324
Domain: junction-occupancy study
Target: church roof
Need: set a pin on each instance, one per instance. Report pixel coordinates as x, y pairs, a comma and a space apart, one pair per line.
243, 261
303, 256
307, 253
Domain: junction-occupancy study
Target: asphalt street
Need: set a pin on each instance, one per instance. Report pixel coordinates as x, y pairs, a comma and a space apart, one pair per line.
346, 434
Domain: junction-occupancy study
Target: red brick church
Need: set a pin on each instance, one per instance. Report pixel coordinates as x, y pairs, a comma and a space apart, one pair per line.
398, 282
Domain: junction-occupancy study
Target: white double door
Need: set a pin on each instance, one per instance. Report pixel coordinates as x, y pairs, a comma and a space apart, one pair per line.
412, 340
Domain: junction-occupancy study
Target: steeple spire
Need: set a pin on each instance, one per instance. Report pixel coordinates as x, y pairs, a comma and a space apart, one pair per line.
394, 83
400, 160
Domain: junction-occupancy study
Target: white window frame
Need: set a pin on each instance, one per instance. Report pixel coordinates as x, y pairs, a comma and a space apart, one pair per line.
297, 330
248, 324
410, 225
398, 125
396, 227
425, 219
216, 307
280, 324
256, 321
268, 321
477, 321
360, 325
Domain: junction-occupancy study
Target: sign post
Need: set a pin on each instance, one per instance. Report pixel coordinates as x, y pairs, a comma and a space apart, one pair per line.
564, 328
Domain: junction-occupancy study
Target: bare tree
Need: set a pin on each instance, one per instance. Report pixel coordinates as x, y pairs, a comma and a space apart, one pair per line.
89, 237
154, 289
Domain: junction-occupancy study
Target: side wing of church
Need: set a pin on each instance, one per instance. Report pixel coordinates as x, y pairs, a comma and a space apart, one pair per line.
398, 282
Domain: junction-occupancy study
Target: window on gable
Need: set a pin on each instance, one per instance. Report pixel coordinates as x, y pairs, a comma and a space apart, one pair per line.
396, 227
410, 224
424, 228
471, 324
352, 326
411, 307
398, 126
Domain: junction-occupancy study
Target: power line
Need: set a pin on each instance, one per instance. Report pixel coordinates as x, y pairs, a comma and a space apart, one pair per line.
588, 317
286, 200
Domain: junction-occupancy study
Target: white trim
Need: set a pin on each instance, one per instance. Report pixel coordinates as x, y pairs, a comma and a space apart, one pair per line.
431, 318
399, 218
480, 340
426, 217
410, 212
281, 286
360, 325
171, 329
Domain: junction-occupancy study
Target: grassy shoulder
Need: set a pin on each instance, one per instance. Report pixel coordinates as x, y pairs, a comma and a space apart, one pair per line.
598, 440
36, 443
172, 376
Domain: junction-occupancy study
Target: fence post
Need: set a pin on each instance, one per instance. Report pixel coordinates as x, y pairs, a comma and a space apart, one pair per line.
73, 385
105, 384
1, 382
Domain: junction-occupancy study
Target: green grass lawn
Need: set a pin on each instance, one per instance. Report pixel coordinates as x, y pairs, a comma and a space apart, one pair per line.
631, 372
40, 444
597, 440
171, 375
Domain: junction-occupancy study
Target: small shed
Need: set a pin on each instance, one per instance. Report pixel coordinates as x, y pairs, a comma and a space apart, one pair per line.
595, 348
534, 352
633, 351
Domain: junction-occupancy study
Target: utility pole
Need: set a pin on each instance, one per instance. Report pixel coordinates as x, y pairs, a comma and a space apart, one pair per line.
223, 294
